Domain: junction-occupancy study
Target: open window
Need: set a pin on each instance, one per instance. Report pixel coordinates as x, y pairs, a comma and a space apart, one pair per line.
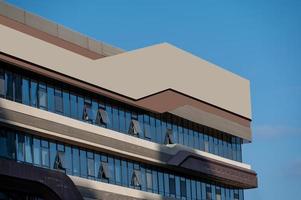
168, 137
134, 128
136, 178
104, 171
102, 117
59, 161
87, 111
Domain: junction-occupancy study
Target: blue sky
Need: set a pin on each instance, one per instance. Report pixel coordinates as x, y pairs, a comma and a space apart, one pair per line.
257, 39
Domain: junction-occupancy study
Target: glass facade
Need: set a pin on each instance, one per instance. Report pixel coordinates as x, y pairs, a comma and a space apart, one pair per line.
103, 167
72, 102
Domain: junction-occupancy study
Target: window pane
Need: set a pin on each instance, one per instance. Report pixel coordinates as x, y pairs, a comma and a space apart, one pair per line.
18, 87
161, 183
33, 93
122, 122
9, 85
178, 187
2, 83
115, 119
52, 154
58, 100
66, 102
91, 169
83, 163
75, 161
25, 91
124, 173
117, 171
166, 184
50, 95
45, 153
97, 165
188, 189
28, 149
68, 160
155, 181
94, 110
111, 170
7, 144
172, 186
158, 129
193, 189
20, 147
149, 180
73, 99
183, 187
42, 96
80, 109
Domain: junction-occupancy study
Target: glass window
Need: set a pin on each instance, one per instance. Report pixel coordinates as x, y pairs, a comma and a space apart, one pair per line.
191, 135
20, 147
2, 83
130, 172
140, 121
136, 179
122, 121
42, 96
161, 183
206, 143
188, 189
58, 100
73, 106
149, 180
172, 186
155, 181
9, 85
124, 173
213, 192
68, 160
80, 101
128, 120
33, 93
198, 190
91, 169
183, 187
218, 195
147, 130
110, 116
163, 131
117, 171
196, 143
153, 128
178, 187
94, 111
50, 98
166, 184
52, 154
208, 192
45, 153
193, 189
201, 139
25, 91
83, 163
111, 169
66, 103
28, 149
115, 118
181, 134
97, 165
18, 87
7, 144
75, 161
186, 135
158, 130
203, 191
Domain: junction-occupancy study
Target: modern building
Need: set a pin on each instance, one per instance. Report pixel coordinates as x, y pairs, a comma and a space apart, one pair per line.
81, 119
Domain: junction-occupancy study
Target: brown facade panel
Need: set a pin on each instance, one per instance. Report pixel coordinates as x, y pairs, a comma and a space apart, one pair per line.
48, 184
